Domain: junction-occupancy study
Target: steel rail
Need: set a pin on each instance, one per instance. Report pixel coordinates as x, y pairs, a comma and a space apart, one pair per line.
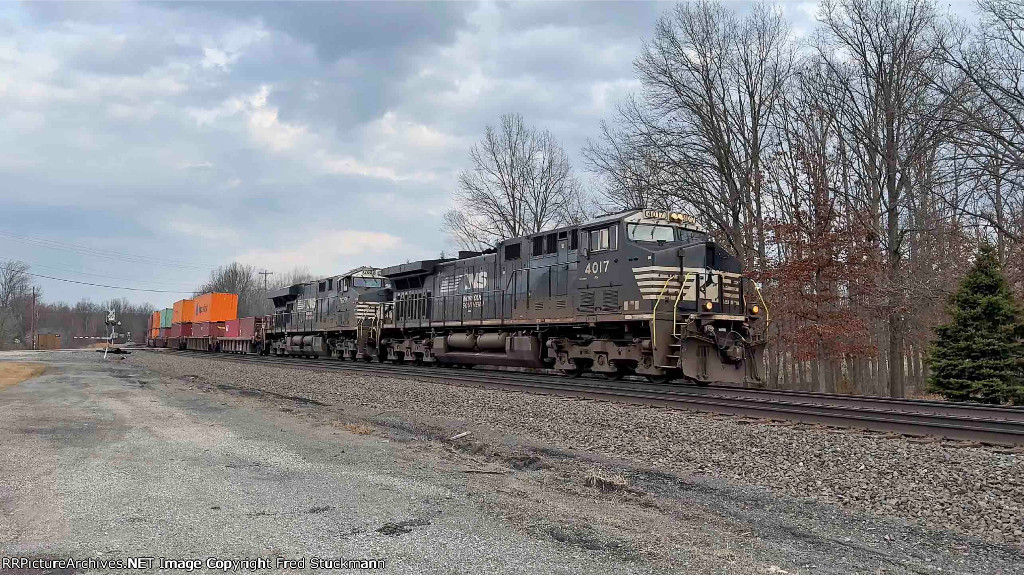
953, 409
983, 424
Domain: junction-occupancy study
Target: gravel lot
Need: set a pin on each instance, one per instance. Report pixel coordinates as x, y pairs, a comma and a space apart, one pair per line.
941, 486
105, 462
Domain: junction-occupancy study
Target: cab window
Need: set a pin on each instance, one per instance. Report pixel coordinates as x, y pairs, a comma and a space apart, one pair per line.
650, 233
367, 282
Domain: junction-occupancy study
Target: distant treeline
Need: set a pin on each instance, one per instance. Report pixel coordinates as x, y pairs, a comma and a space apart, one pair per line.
87, 318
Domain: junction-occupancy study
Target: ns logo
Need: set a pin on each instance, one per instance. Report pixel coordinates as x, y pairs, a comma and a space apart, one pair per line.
477, 281
305, 304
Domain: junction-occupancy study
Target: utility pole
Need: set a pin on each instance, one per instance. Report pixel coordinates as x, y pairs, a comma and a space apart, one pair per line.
265, 273
32, 318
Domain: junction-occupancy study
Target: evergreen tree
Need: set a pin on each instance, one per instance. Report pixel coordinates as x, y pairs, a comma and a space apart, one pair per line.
979, 355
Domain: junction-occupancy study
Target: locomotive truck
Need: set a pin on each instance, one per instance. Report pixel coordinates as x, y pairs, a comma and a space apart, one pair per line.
641, 292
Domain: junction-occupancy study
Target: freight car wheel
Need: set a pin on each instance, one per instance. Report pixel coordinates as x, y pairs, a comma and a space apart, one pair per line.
614, 375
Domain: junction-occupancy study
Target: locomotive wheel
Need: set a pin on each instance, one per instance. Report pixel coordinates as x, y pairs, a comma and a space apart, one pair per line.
574, 372
614, 375
661, 379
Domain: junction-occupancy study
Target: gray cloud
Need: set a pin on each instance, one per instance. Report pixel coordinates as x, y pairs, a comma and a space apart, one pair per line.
319, 134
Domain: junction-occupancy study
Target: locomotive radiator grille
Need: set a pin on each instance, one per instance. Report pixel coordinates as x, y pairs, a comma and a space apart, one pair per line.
652, 280
731, 295
587, 302
610, 300
366, 310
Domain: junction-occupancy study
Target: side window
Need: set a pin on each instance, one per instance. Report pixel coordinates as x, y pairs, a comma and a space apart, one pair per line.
330, 284
604, 239
574, 241
513, 251
323, 286
346, 283
552, 244
538, 246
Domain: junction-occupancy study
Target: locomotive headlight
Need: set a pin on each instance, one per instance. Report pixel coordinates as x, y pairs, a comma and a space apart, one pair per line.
708, 305
755, 309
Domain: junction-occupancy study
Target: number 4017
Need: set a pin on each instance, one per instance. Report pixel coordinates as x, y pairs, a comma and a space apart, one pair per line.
596, 267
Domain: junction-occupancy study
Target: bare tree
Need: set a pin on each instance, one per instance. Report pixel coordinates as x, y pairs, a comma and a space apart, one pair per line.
880, 57
631, 175
521, 182
697, 136
14, 288
297, 275
238, 279
987, 63
992, 61
243, 280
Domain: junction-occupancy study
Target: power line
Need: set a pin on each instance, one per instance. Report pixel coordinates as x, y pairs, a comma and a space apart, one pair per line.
107, 254
106, 286
78, 272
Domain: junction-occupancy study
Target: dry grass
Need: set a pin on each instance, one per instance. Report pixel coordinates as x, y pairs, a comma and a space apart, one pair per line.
606, 484
12, 373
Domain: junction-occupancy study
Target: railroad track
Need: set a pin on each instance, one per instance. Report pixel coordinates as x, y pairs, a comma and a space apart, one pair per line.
961, 421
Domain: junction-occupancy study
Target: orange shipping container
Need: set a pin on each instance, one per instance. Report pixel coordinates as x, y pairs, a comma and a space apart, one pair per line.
183, 311
154, 324
215, 307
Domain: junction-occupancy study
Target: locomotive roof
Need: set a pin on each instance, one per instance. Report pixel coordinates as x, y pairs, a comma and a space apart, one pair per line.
428, 266
296, 289
361, 271
413, 268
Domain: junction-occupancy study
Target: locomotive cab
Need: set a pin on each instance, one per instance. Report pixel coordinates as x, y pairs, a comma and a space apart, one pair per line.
678, 295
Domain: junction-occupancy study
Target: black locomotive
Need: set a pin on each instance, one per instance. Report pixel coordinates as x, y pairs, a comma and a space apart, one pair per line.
641, 292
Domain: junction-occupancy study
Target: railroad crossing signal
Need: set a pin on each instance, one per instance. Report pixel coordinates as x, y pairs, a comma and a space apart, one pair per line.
113, 323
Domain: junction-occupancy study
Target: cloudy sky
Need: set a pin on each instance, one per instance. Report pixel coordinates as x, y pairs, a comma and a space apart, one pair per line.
144, 144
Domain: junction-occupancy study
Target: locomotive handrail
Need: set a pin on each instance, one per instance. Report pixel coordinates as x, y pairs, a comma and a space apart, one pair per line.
675, 308
654, 315
767, 316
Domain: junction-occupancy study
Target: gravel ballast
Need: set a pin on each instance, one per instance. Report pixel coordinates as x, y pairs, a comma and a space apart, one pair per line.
940, 485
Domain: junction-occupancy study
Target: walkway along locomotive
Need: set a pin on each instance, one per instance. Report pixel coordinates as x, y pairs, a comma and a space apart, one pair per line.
641, 292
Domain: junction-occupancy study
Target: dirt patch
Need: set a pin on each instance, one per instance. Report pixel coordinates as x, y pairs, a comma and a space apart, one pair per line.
401, 527
12, 373
358, 429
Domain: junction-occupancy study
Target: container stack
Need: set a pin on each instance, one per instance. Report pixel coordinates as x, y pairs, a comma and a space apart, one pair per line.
165, 327
181, 323
201, 323
154, 331
211, 312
